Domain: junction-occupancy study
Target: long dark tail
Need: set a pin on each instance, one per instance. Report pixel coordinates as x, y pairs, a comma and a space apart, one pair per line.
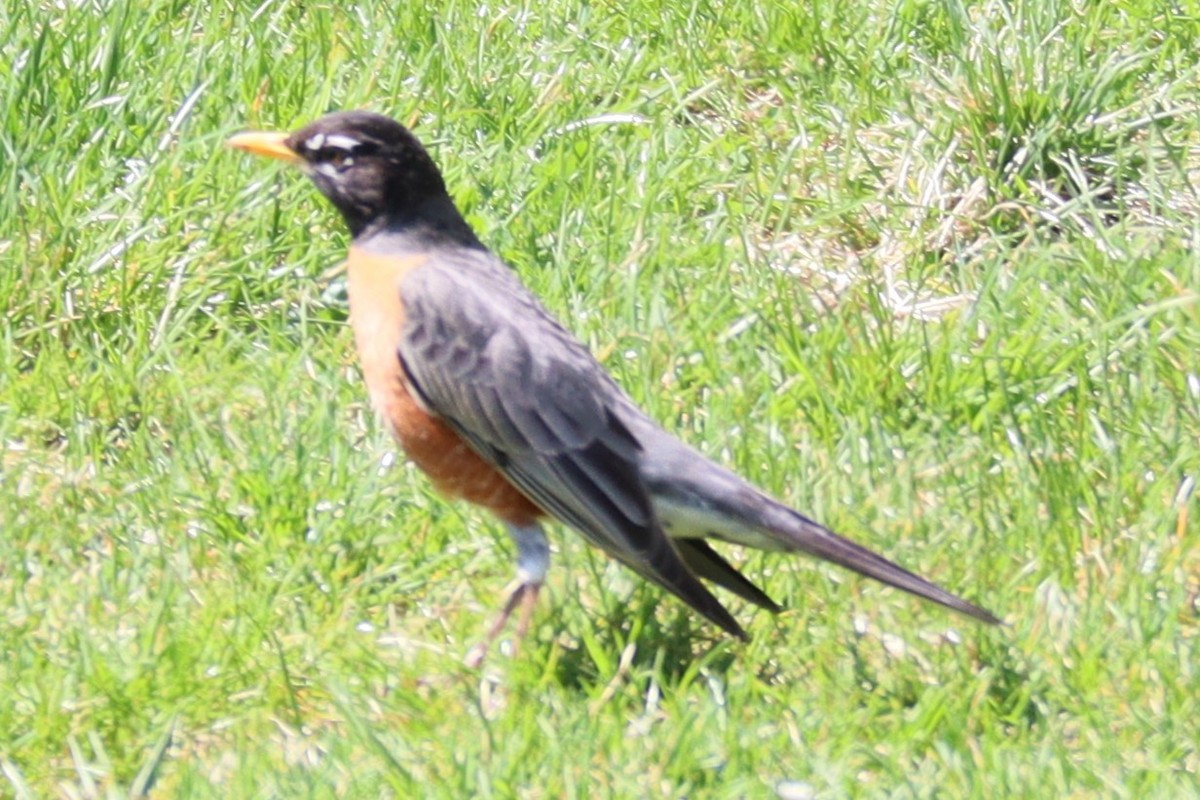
798, 532
696, 499
750, 518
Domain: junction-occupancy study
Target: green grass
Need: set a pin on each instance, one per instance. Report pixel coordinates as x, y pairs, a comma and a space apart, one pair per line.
924, 269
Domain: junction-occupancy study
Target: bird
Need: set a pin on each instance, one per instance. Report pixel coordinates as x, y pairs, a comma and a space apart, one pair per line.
491, 396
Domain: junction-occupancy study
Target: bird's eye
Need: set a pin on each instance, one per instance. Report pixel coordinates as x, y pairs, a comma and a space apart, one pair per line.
337, 156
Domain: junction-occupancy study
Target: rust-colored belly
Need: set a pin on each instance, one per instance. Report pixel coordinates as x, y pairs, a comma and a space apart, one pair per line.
377, 315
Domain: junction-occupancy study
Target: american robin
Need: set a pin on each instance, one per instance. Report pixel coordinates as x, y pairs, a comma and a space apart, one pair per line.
491, 397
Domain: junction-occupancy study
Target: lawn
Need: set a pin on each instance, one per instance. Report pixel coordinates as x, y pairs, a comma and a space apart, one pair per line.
927, 271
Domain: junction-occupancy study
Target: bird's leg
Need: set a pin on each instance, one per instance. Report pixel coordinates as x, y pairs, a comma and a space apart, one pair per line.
533, 560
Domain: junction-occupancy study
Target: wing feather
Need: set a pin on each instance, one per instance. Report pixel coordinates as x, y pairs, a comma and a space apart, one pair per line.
482, 354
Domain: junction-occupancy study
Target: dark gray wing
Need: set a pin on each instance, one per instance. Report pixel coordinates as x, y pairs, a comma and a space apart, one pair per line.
482, 353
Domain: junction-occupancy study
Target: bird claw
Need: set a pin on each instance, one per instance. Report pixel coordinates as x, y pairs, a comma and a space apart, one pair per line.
524, 595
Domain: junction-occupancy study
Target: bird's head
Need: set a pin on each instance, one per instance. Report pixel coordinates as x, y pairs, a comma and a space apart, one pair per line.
369, 166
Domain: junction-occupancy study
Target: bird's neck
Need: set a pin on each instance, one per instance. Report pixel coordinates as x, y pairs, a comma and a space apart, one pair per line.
435, 220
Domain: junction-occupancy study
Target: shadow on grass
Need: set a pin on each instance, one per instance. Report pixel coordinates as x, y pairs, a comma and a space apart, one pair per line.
647, 634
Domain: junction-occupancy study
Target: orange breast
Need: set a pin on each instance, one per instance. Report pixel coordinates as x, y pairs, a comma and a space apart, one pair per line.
377, 315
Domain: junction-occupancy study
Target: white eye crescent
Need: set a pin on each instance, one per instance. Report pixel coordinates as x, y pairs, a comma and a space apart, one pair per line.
340, 141
327, 169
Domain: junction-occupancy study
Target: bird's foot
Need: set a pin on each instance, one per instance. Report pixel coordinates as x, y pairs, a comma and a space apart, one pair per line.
524, 596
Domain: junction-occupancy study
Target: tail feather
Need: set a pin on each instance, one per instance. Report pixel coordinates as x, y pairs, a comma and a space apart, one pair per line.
708, 564
801, 533
695, 499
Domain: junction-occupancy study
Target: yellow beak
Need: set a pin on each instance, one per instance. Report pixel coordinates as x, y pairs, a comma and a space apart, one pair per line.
261, 143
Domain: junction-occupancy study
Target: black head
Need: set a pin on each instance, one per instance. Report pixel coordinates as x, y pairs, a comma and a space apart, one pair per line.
369, 166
